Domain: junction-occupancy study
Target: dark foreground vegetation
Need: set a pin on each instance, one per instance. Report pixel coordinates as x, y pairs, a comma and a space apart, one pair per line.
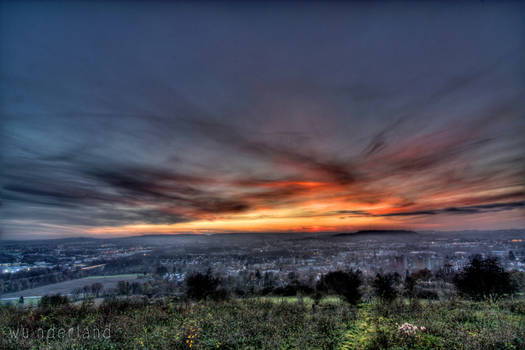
343, 310
267, 323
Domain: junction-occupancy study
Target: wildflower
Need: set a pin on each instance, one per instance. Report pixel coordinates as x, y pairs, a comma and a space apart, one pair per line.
410, 329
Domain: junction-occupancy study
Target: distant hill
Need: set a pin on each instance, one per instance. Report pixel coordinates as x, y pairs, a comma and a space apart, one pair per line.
376, 232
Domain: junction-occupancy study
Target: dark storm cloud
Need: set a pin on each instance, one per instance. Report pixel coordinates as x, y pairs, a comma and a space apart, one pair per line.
473, 209
130, 188
144, 185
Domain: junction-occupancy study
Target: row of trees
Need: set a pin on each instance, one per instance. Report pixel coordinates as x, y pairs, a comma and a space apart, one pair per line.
21, 280
481, 278
94, 289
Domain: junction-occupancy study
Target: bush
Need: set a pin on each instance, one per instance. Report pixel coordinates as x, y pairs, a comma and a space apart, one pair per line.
53, 301
427, 294
484, 278
384, 286
293, 289
345, 284
201, 286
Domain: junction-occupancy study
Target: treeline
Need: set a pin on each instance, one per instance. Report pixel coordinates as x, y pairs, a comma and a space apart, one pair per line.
482, 278
124, 288
37, 277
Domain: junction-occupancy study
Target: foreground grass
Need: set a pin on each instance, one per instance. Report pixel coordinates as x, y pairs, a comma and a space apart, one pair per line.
266, 323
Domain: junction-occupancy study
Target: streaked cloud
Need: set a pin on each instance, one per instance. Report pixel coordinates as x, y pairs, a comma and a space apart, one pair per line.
378, 120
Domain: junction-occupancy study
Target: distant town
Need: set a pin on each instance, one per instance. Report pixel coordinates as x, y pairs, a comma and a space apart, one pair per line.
272, 259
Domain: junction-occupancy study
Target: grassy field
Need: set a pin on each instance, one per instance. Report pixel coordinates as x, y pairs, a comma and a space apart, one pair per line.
122, 276
28, 300
305, 300
268, 323
67, 286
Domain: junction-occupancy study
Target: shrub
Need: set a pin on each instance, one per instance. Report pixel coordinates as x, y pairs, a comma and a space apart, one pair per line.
293, 289
427, 294
53, 301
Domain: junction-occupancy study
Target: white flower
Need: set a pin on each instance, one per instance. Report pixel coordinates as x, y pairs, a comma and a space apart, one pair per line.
409, 329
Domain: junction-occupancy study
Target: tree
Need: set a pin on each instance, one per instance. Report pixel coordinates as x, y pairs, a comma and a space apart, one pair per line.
136, 288
269, 281
201, 286
410, 286
96, 288
384, 286
292, 275
123, 287
342, 283
21, 300
512, 256
147, 289
423, 275
161, 270
484, 278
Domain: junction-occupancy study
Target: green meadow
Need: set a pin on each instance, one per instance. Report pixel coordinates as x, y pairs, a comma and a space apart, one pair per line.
267, 323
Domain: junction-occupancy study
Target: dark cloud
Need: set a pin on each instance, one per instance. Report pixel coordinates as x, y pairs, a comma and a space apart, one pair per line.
473, 209
352, 212
246, 142
133, 121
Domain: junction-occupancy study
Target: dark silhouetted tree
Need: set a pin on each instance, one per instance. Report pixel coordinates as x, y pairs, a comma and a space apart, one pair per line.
422, 275
345, 284
96, 288
384, 286
410, 286
484, 278
161, 270
201, 286
136, 288
123, 287
86, 289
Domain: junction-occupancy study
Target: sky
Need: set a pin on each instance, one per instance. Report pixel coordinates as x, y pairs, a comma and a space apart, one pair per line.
130, 118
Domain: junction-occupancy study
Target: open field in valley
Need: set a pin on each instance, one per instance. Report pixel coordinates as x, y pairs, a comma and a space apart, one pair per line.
67, 287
